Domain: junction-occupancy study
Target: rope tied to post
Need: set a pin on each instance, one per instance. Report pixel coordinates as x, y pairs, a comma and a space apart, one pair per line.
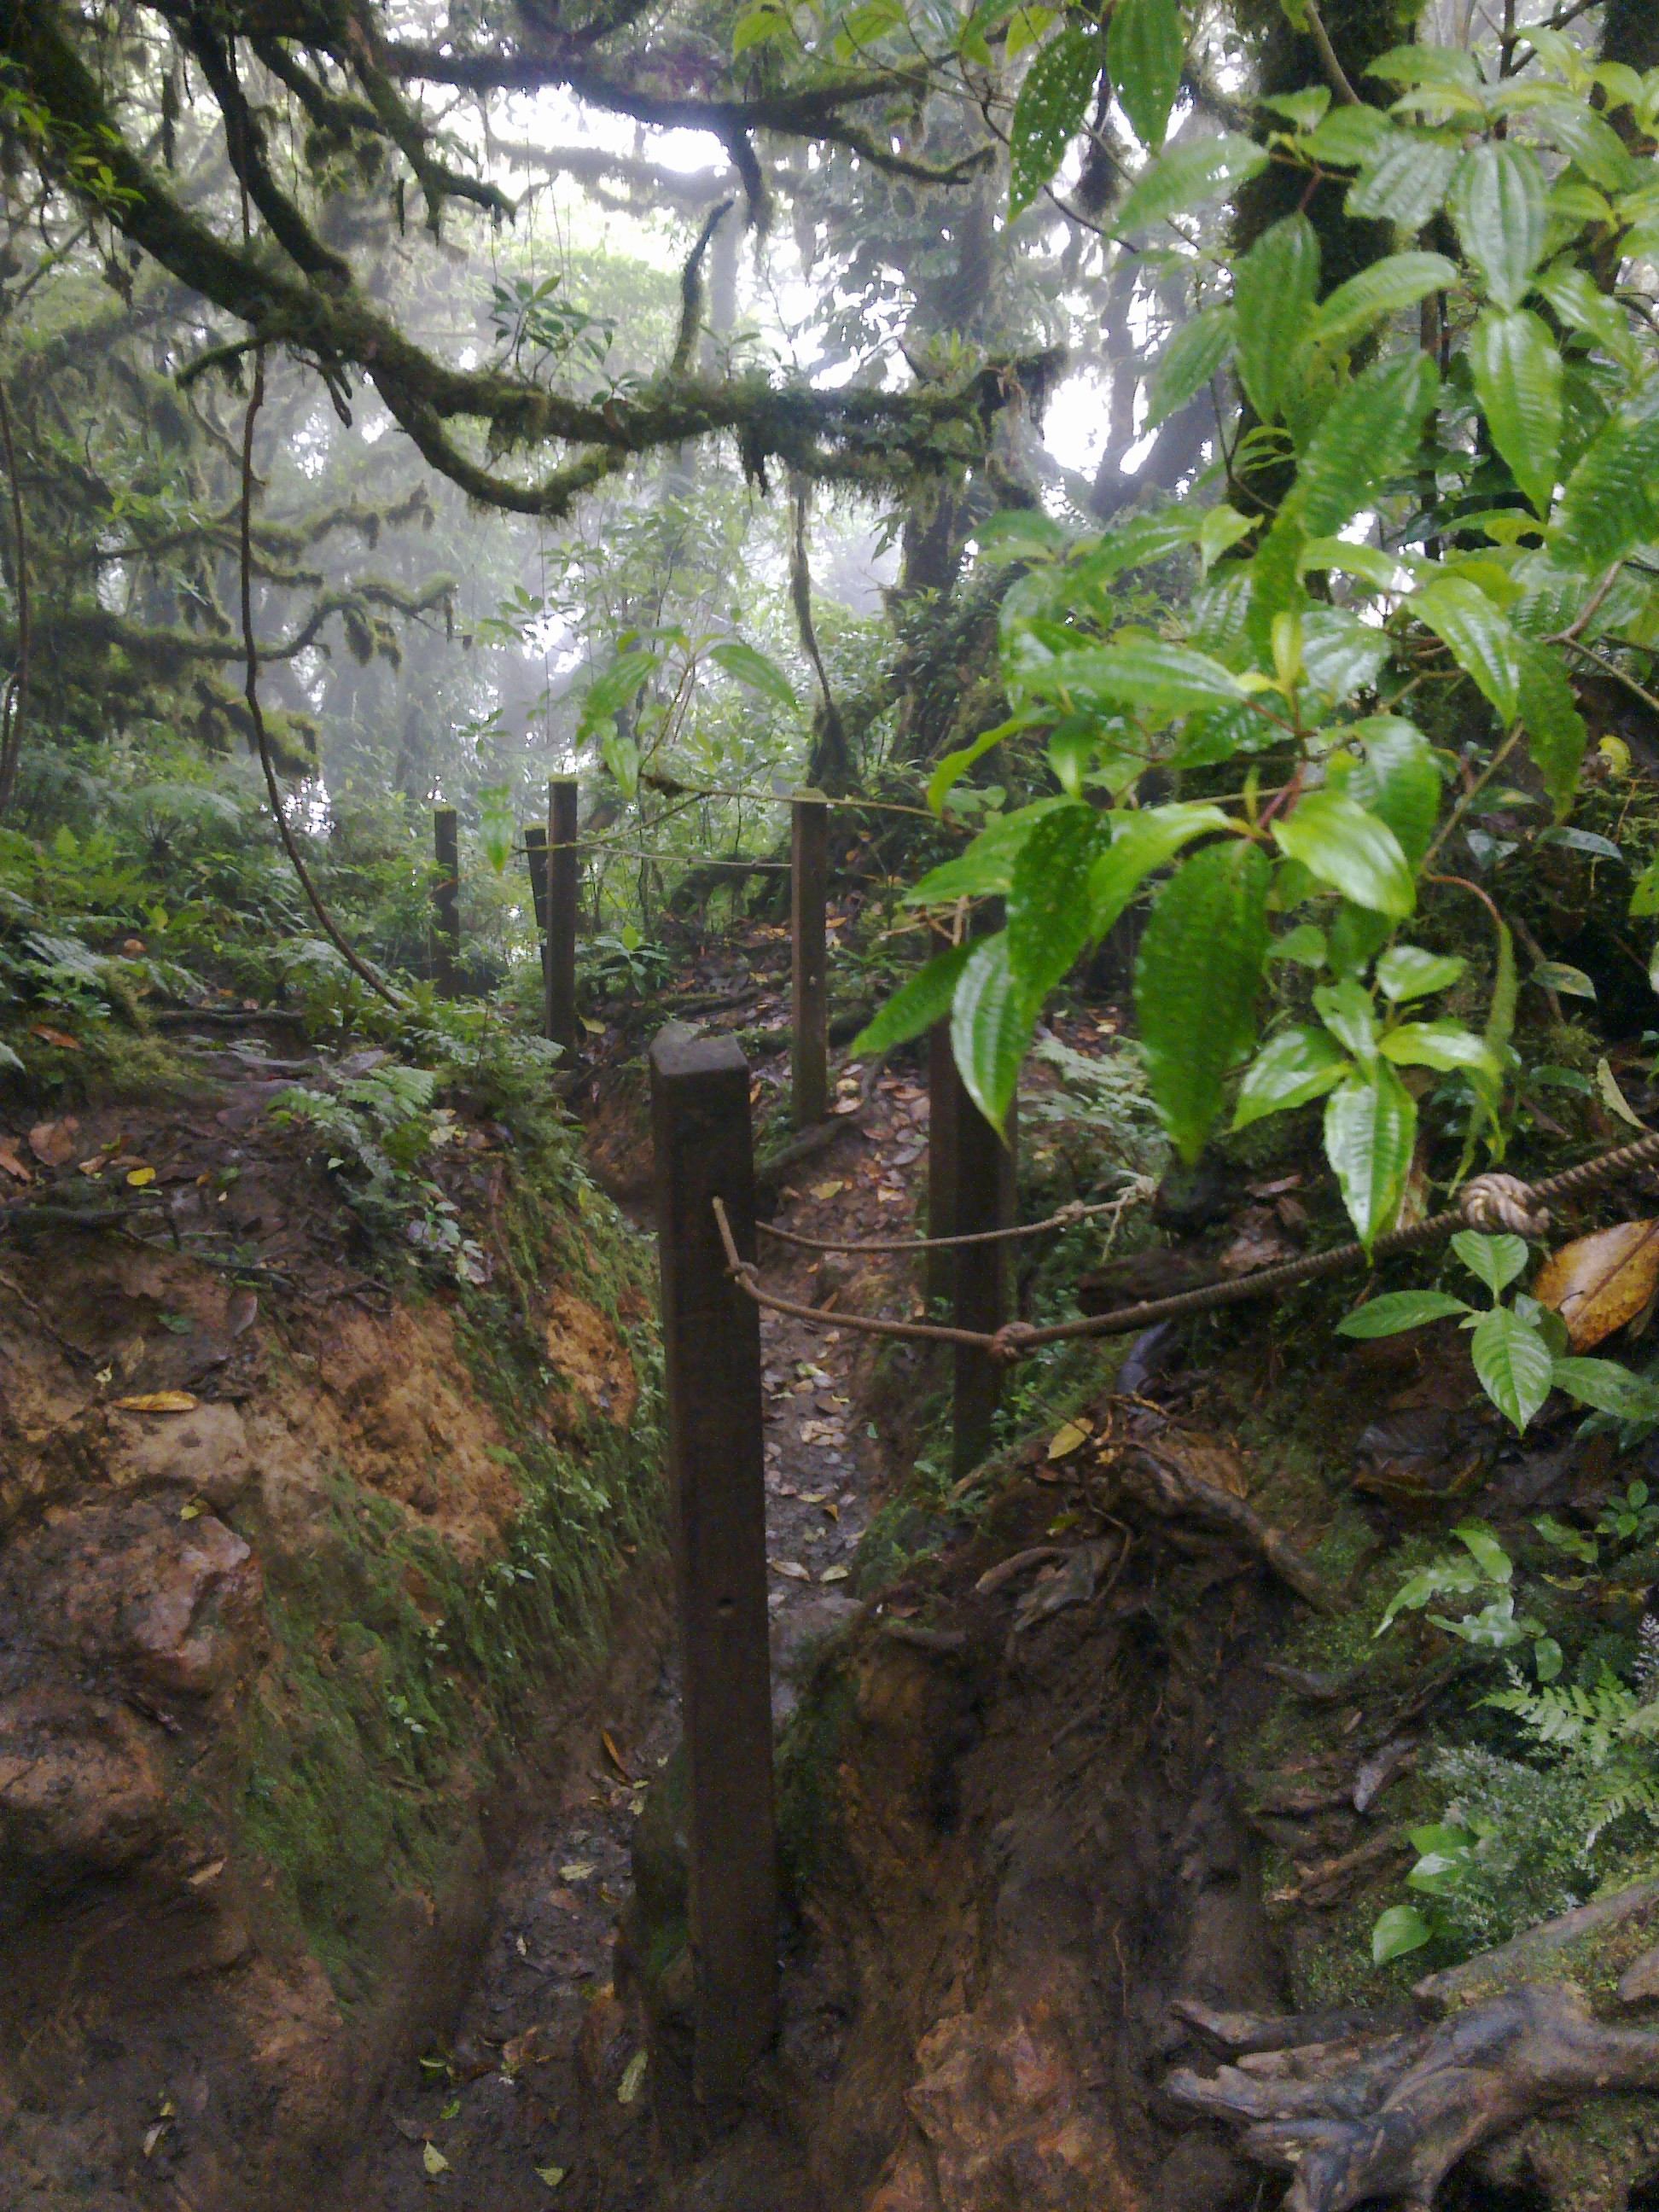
1486, 1202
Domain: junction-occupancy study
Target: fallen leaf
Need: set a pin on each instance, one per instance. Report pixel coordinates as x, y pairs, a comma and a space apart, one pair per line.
193, 1511
1067, 1438
211, 1872
834, 1574
564, 1900
594, 1028
552, 2175
832, 1509
792, 1568
61, 1038
1596, 1284
433, 2161
158, 1401
10, 1161
153, 2136
53, 1143
241, 1312
1615, 1099
578, 1870
822, 1191
95, 1165
140, 1178
633, 2073
614, 1755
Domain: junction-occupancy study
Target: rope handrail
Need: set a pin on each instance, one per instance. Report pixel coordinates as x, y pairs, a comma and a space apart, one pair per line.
1073, 1211
1488, 1201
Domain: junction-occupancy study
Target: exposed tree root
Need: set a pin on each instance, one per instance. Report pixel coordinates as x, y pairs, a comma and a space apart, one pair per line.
1382, 2117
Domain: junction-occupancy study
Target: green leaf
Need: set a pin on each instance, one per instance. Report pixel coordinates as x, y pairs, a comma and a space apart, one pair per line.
1582, 307
1188, 362
1559, 975
1388, 287
1370, 1129
1019, 533
1305, 945
1160, 679
1354, 852
951, 769
1298, 1064
1367, 435
1187, 176
1349, 137
1396, 779
1048, 904
987, 865
1403, 182
1497, 1261
1399, 1930
1443, 1044
916, 1005
1556, 736
1611, 502
497, 823
1644, 894
1049, 112
1512, 1364
1144, 841
1341, 655
1146, 46
758, 25
1607, 1386
607, 694
1275, 287
1517, 381
991, 1025
1589, 141
1498, 201
1408, 972
755, 669
1346, 1011
1398, 1311
1479, 637
1196, 980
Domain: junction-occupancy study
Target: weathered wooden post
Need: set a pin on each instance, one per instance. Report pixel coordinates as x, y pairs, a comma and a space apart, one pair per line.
809, 893
944, 1090
535, 854
711, 1335
984, 1199
562, 870
446, 901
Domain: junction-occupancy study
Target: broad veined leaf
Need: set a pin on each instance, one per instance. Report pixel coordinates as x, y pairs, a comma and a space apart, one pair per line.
1556, 736
1146, 46
1367, 435
1512, 1364
1611, 502
1498, 201
1186, 177
758, 670
1346, 1011
1188, 362
1444, 1045
609, 693
1354, 852
1408, 972
1589, 141
1146, 537
1496, 1260
1478, 636
1299, 1064
1403, 182
1341, 655
1145, 840
1275, 287
1598, 1283
1399, 1930
1603, 1383
916, 1005
1561, 976
1387, 287
1395, 779
1048, 916
497, 822
1371, 1126
991, 1023
1398, 1311
1019, 533
1584, 306
951, 769
987, 865
1196, 981
1161, 680
1517, 381
1049, 112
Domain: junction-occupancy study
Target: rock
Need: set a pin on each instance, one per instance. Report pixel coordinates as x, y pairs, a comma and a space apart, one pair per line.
82, 1784
1641, 1981
206, 1453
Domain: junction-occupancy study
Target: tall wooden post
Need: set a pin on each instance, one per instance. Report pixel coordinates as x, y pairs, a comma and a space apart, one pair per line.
446, 901
943, 1091
534, 853
809, 893
562, 870
985, 1198
711, 1338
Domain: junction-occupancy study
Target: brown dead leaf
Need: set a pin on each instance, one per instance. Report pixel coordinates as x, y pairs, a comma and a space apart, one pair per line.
1067, 1438
159, 1401
53, 1143
614, 1755
824, 1191
1596, 1284
11, 1163
241, 1312
61, 1038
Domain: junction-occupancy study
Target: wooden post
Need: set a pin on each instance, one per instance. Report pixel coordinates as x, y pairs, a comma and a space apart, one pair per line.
446, 901
534, 853
944, 1092
985, 1198
809, 891
711, 1338
562, 870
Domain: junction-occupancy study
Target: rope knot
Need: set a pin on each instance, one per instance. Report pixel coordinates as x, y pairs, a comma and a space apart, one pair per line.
1503, 1201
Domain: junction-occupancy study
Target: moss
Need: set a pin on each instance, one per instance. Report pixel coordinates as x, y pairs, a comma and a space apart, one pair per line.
806, 1761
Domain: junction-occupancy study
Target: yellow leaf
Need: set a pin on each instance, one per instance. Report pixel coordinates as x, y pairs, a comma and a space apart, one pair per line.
159, 1401
434, 2160
1067, 1438
1598, 1283
552, 2175
792, 1569
1616, 753
140, 1177
1615, 1099
834, 1574
821, 1191
633, 2073
193, 1511
593, 1029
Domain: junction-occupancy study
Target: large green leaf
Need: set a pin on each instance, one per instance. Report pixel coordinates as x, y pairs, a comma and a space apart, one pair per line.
1299, 1064
991, 1023
1346, 1011
610, 691
758, 670
1589, 141
1049, 112
1341, 655
987, 865
1396, 779
1370, 1126
916, 1005
1196, 983
1368, 435
1478, 635
1049, 906
1499, 202
1495, 1260
1162, 680
1517, 381
1443, 1044
1387, 287
1408, 972
1403, 182
1187, 176
1275, 286
1146, 46
1556, 735
1398, 1310
1144, 841
1354, 852
1188, 362
1611, 502
1512, 1363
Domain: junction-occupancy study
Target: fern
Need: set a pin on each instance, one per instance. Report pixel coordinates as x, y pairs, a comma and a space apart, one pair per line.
1607, 1735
